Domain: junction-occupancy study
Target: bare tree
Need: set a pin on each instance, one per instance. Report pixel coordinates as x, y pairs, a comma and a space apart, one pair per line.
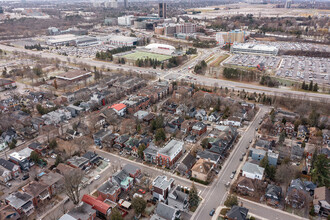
72, 184
285, 173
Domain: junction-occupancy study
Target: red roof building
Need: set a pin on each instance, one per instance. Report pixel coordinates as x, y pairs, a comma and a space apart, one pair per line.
119, 108
96, 204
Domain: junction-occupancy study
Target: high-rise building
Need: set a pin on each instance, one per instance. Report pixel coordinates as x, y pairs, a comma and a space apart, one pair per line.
125, 3
162, 10
234, 36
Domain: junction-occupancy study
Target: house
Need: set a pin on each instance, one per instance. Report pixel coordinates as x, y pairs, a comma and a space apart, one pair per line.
246, 186
10, 166
289, 128
39, 148
321, 201
202, 169
109, 190
199, 128
272, 158
21, 202
253, 171
122, 139
150, 153
38, 190
165, 212
5, 175
54, 181
161, 186
78, 162
178, 199
302, 132
64, 169
214, 116
103, 209
201, 115
273, 194
76, 213
257, 154
109, 140
326, 136
119, 108
170, 153
208, 155
237, 213
141, 114
297, 153
186, 164
132, 171
135, 103
100, 135
9, 135
263, 144
186, 126
296, 194
92, 157
21, 158
183, 92
8, 213
131, 146
233, 121
124, 180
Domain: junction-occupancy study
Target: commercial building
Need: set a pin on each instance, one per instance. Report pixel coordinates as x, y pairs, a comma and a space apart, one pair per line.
111, 4
125, 20
234, 36
254, 49
162, 10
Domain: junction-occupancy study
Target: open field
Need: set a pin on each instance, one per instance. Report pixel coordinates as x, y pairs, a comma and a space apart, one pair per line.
143, 55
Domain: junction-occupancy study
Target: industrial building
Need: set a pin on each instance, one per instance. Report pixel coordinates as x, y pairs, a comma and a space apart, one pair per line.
234, 36
254, 49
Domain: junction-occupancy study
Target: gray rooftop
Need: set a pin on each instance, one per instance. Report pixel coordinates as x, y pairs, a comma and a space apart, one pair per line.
18, 199
171, 148
162, 182
253, 168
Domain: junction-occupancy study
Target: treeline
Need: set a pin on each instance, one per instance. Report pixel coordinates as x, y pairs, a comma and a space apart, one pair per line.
237, 74
107, 55
35, 46
191, 51
204, 44
148, 62
268, 81
306, 53
44, 111
201, 67
310, 87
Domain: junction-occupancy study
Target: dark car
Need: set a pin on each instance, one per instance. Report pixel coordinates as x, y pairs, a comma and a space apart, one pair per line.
25, 177
212, 212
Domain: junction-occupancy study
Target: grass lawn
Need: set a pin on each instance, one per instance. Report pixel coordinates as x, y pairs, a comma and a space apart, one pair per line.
219, 60
143, 55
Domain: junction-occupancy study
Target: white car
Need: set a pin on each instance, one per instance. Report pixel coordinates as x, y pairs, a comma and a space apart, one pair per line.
232, 175
53, 156
106, 160
97, 177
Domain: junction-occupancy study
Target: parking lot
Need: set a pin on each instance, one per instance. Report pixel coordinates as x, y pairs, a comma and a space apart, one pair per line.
248, 60
85, 52
296, 46
305, 69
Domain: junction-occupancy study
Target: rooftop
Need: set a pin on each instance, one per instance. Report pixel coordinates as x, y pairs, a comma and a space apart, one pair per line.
162, 182
171, 148
253, 168
118, 106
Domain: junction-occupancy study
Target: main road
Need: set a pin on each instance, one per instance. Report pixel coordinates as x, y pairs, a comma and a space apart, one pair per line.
183, 71
215, 195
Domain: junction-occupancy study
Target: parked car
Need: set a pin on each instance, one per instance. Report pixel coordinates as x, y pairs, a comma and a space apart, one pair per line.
8, 184
227, 184
97, 177
142, 191
106, 160
25, 177
250, 141
232, 176
212, 212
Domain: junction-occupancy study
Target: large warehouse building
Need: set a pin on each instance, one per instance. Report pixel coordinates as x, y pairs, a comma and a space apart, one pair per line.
254, 49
